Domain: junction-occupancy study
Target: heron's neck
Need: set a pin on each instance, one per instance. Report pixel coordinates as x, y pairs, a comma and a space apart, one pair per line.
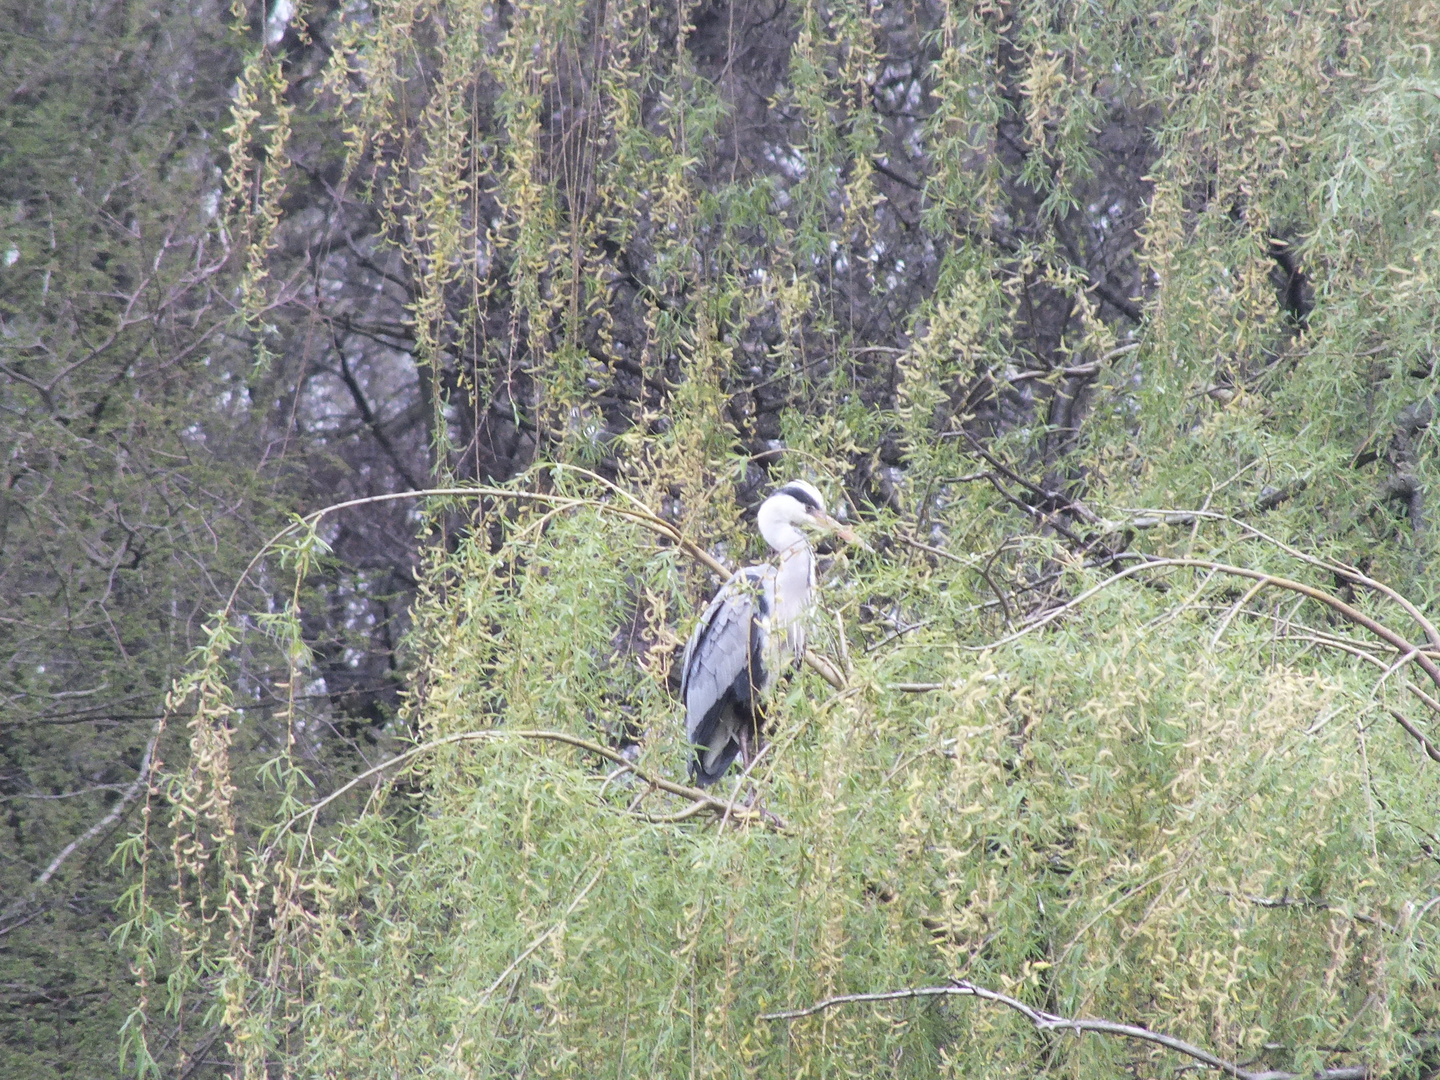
797, 559
778, 532
782, 536
796, 562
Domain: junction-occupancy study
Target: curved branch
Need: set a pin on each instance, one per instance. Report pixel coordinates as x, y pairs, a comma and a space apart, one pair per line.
638, 513
1409, 653
695, 795
1353, 614
1047, 1022
1343, 570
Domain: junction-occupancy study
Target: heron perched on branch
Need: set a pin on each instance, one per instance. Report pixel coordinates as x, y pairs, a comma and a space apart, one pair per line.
751, 630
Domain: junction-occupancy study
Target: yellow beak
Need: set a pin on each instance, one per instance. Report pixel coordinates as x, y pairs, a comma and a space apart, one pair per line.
832, 526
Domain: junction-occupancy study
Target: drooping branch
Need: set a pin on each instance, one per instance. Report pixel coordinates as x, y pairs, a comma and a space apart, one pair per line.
1049, 1022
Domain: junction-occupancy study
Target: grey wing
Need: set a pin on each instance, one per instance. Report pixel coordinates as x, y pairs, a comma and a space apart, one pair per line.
724, 650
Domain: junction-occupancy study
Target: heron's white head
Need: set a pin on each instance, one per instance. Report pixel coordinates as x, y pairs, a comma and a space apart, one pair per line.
787, 516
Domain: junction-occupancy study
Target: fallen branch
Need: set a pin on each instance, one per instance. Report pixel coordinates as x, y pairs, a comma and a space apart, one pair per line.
1049, 1022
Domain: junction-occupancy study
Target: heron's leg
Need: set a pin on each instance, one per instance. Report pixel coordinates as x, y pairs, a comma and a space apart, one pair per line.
750, 743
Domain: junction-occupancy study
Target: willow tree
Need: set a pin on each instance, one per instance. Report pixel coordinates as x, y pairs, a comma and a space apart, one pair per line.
1112, 325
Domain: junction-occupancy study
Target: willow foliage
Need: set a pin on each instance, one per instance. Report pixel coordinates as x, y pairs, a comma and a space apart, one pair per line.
1184, 802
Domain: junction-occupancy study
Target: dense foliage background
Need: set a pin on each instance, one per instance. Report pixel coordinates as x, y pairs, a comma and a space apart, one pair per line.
1081, 312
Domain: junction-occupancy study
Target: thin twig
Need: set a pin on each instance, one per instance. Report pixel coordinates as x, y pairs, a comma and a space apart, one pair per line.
1049, 1022
735, 791
525, 954
920, 545
901, 630
844, 645
1235, 610
542, 938
670, 819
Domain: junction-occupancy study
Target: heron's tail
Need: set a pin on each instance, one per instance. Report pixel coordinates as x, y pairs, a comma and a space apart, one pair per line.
711, 762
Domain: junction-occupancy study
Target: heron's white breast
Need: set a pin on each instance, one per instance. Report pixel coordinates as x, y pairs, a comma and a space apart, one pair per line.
794, 592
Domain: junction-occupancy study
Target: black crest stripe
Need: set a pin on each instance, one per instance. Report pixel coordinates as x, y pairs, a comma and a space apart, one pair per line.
800, 495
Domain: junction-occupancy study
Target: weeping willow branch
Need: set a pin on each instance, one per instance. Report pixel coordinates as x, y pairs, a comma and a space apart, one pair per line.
1049, 1022
1288, 630
1342, 570
701, 800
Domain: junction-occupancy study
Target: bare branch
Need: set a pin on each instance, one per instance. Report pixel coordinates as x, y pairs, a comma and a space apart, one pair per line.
109, 819
64, 794
1309, 904
1344, 570
95, 830
367, 414
1048, 1022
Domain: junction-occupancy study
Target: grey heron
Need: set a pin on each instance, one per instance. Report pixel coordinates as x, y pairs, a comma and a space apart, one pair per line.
751, 630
